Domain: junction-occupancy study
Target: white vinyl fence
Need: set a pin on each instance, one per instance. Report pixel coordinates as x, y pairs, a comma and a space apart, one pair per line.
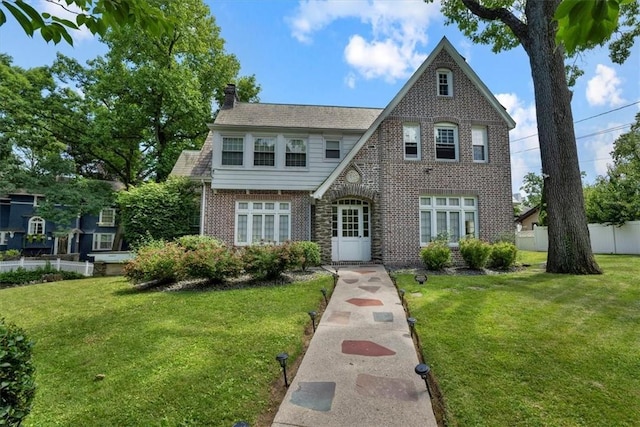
605, 239
84, 268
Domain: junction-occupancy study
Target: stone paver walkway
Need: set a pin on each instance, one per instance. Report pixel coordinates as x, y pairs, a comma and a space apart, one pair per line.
359, 367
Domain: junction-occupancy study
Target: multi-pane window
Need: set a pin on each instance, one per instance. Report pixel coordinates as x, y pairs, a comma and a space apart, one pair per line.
446, 216
411, 136
332, 149
348, 217
232, 151
264, 152
103, 241
479, 142
262, 222
35, 225
107, 217
296, 153
446, 136
445, 86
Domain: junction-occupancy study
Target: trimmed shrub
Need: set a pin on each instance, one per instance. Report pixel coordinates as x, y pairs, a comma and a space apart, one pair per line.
9, 254
475, 253
307, 252
21, 276
269, 262
503, 255
436, 255
157, 261
17, 385
209, 261
193, 242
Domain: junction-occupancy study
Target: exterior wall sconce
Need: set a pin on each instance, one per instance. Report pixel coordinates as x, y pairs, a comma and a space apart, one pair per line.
423, 370
282, 360
421, 278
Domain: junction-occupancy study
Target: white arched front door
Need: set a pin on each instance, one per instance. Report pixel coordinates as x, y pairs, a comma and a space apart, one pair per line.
351, 230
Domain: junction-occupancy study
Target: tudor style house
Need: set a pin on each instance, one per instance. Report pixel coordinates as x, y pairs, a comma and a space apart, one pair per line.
365, 184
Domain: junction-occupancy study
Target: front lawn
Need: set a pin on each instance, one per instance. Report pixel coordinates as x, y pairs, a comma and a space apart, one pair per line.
531, 348
107, 355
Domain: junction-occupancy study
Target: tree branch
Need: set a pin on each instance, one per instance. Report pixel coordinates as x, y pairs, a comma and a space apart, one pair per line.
518, 27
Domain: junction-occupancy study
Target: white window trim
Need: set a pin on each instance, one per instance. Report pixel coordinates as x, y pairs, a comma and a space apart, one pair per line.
250, 211
306, 151
97, 241
456, 141
449, 82
333, 159
433, 208
274, 139
404, 142
32, 223
244, 150
111, 223
484, 144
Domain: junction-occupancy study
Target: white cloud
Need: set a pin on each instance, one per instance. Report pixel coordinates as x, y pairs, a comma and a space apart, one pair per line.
604, 88
350, 80
597, 148
60, 9
389, 51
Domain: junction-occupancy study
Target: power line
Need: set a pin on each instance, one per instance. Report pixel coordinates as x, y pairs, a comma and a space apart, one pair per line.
585, 119
581, 137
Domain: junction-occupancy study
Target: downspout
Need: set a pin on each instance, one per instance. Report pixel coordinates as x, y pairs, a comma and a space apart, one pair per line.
203, 201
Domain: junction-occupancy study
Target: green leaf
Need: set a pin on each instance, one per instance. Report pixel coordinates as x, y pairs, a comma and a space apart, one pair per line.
26, 25
65, 22
3, 18
36, 19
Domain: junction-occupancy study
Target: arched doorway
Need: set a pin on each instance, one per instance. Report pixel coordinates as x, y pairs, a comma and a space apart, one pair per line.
351, 230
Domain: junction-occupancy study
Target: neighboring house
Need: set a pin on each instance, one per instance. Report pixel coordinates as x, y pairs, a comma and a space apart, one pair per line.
528, 219
365, 184
22, 229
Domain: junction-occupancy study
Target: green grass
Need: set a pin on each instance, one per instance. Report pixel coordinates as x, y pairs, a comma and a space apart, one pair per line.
168, 358
531, 348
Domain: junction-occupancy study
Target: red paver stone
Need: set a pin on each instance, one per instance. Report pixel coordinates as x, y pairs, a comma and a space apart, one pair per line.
388, 388
364, 302
340, 317
350, 281
365, 348
372, 289
365, 271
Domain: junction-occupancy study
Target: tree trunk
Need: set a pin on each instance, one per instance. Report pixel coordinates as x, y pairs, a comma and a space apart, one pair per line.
569, 242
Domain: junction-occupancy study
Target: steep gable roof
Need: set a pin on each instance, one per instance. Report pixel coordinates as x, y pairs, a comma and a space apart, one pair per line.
291, 116
466, 69
195, 164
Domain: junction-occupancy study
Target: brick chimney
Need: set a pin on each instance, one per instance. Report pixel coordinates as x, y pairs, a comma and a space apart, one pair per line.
230, 96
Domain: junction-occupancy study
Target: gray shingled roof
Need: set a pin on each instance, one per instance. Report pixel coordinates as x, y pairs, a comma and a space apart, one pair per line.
195, 163
297, 116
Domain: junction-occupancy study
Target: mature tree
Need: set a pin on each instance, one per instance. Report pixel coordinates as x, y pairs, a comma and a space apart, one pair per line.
506, 24
96, 15
151, 96
158, 210
615, 198
34, 157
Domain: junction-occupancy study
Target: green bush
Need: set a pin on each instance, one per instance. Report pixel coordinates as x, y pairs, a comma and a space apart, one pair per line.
475, 252
9, 254
503, 255
436, 255
193, 242
21, 276
269, 261
17, 386
155, 261
307, 252
208, 261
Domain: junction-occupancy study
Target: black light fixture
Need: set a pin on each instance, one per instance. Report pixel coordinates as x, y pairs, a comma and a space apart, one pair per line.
282, 359
420, 278
324, 294
401, 292
423, 369
313, 315
241, 424
412, 323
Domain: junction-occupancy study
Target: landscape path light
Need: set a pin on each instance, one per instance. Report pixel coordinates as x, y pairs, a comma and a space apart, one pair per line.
313, 315
423, 369
412, 323
421, 278
282, 359
324, 294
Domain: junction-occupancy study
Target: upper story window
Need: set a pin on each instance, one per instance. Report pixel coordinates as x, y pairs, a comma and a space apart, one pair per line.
411, 137
264, 152
36, 225
332, 149
232, 151
107, 217
296, 154
479, 142
446, 135
445, 82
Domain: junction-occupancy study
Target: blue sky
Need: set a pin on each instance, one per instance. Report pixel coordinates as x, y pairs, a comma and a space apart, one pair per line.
361, 52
